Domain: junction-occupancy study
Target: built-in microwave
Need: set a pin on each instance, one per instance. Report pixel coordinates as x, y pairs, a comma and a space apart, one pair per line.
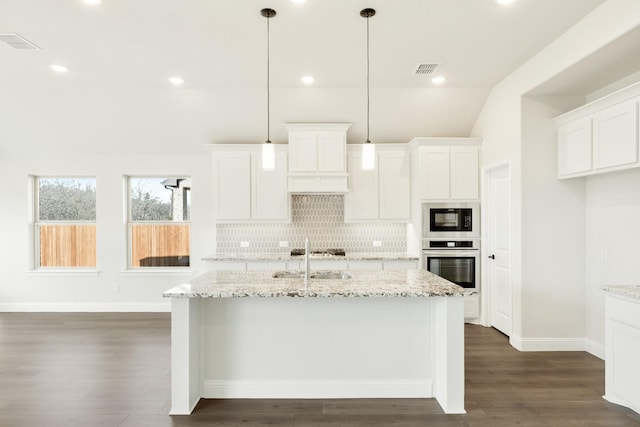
450, 220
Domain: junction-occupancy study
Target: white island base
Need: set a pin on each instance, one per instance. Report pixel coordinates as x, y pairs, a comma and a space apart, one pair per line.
367, 347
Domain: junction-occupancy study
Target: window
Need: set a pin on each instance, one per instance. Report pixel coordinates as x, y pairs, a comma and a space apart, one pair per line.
158, 215
65, 222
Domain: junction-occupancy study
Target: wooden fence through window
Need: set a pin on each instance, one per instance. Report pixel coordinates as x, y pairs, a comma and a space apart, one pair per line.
152, 245
68, 245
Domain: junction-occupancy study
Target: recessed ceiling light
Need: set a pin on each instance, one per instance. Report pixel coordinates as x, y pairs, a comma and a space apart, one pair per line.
307, 80
176, 81
59, 68
504, 1
92, 2
438, 80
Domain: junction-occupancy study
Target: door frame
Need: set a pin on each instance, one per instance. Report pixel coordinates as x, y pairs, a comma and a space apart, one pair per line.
485, 290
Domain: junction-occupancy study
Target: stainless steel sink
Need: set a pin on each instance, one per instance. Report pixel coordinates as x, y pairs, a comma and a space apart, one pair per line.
335, 275
288, 275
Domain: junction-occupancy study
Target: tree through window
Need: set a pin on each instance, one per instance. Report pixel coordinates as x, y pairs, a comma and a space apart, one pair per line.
159, 228
65, 226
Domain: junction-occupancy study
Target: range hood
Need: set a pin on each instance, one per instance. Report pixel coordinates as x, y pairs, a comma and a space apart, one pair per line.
317, 158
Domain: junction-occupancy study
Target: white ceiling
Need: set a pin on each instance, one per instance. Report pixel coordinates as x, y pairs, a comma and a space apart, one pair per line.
116, 95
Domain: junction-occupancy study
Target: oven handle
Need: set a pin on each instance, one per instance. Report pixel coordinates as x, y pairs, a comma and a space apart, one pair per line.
452, 252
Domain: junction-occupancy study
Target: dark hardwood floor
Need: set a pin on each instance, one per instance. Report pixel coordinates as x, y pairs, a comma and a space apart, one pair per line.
78, 369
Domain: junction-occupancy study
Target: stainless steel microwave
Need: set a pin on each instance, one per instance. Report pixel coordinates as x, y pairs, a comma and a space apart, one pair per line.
450, 220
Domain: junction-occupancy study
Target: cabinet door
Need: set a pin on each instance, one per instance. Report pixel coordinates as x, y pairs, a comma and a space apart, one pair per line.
361, 202
574, 147
615, 135
331, 151
394, 185
232, 185
303, 151
464, 173
269, 197
434, 172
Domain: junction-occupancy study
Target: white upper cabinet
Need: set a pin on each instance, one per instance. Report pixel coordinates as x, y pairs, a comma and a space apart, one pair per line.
601, 136
448, 172
615, 135
464, 173
394, 184
317, 157
269, 197
383, 193
574, 147
232, 185
243, 191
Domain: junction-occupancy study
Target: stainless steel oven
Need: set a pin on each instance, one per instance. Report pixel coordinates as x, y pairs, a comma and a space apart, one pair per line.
456, 260
451, 220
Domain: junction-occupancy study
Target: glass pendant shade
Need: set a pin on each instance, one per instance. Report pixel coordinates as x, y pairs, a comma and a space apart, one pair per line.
268, 156
368, 156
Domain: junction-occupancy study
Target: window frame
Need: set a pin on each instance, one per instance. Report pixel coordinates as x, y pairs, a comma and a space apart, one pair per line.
129, 223
35, 224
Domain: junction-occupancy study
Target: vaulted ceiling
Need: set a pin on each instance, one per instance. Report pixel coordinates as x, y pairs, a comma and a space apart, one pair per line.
120, 53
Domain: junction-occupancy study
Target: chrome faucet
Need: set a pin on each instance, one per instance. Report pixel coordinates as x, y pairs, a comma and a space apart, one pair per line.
307, 270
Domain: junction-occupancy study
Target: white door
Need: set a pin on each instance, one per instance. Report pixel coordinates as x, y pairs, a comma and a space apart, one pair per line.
498, 247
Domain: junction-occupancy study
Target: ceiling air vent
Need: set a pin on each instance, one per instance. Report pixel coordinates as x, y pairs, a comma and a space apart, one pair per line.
426, 69
16, 41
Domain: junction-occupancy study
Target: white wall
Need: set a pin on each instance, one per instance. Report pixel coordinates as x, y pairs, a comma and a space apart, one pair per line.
20, 290
553, 240
500, 124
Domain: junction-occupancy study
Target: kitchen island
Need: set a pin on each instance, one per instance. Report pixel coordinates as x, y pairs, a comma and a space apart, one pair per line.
238, 334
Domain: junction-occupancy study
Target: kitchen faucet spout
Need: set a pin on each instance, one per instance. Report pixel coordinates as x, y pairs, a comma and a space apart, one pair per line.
307, 271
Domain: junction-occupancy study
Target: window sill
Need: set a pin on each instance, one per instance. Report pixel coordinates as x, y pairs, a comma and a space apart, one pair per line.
159, 272
63, 272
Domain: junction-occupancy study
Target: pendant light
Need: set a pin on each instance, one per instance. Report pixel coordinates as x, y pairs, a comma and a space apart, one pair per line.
268, 150
368, 149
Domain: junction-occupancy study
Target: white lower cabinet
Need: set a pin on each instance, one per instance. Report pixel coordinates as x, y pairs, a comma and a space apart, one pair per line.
622, 351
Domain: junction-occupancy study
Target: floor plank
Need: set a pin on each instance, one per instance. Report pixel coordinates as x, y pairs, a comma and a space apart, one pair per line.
113, 370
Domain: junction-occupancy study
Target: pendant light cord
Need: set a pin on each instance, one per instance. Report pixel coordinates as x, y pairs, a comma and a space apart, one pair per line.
368, 80
268, 86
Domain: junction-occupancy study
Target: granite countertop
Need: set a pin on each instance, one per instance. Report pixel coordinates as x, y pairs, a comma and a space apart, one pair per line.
365, 283
629, 291
350, 256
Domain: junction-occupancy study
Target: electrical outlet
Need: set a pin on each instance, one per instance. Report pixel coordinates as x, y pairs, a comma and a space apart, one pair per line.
244, 244
377, 244
284, 244
116, 287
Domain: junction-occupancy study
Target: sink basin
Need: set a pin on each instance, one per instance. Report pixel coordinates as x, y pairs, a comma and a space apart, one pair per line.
336, 275
288, 275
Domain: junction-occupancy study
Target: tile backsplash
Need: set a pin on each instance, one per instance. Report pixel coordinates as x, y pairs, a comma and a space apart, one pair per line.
319, 217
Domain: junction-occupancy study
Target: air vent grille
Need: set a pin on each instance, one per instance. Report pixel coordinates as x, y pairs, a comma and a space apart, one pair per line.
16, 41
426, 69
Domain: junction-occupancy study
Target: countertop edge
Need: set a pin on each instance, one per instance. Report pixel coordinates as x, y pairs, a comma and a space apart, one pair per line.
628, 291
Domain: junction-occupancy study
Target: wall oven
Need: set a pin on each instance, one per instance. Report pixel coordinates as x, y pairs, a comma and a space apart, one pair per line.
450, 220
458, 261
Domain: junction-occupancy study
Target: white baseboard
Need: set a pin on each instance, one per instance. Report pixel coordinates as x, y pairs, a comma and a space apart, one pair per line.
547, 344
86, 307
316, 389
594, 348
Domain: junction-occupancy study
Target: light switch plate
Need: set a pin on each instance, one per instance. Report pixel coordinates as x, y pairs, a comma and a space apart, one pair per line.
377, 244
244, 244
283, 244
